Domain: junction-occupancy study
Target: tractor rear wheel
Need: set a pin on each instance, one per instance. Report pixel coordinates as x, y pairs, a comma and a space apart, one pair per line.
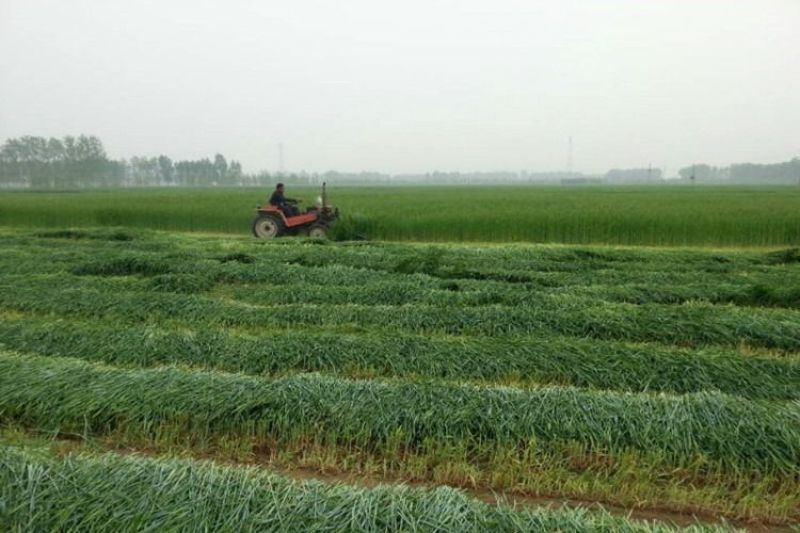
318, 231
267, 227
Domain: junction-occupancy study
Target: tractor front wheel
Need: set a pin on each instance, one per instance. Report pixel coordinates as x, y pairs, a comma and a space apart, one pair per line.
318, 231
267, 227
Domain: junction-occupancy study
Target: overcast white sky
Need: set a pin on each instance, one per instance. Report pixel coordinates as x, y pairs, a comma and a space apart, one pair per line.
413, 85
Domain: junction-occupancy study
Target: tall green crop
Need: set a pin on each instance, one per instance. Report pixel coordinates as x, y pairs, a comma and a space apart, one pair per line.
727, 216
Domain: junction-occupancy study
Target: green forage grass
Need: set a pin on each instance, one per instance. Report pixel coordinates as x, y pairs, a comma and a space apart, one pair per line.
522, 360
699, 216
74, 396
641, 377
103, 492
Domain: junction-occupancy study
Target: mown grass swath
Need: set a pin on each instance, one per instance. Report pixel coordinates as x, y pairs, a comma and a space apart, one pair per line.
689, 325
74, 396
520, 361
384, 254
634, 376
92, 492
507, 274
391, 274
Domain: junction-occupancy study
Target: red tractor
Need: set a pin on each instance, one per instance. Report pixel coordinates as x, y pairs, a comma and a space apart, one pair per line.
272, 222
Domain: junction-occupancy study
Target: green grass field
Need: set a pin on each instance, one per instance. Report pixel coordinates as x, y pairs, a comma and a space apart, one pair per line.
662, 380
696, 216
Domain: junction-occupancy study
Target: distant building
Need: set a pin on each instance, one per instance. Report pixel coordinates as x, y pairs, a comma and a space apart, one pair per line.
633, 175
581, 181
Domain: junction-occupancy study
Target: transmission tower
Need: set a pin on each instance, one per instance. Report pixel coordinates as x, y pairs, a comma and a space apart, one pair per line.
569, 155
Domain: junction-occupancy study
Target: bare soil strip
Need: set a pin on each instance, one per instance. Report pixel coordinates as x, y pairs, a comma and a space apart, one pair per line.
667, 515
70, 443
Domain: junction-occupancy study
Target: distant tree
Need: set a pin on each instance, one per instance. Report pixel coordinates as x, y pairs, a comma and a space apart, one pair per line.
82, 161
220, 168
144, 171
166, 170
48, 163
787, 172
235, 172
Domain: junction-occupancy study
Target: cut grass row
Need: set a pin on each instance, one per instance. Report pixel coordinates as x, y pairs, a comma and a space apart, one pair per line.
631, 480
459, 293
74, 396
398, 274
387, 255
338, 284
423, 319
521, 361
691, 325
272, 284
85, 492
494, 262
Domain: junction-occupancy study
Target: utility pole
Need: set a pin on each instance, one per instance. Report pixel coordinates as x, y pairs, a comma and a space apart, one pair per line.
280, 158
569, 155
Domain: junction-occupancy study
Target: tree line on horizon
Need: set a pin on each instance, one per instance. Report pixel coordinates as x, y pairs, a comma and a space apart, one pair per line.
787, 172
81, 161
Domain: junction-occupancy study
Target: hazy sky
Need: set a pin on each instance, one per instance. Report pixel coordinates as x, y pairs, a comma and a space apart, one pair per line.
411, 85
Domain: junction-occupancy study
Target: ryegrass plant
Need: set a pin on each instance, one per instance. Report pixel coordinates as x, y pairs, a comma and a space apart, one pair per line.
520, 361
694, 324
103, 492
75, 396
728, 216
679, 366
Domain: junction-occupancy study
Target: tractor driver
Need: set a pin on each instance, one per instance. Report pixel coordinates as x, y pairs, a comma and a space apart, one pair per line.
281, 202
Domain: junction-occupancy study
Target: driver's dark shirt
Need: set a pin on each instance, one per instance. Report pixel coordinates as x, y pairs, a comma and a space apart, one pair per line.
277, 199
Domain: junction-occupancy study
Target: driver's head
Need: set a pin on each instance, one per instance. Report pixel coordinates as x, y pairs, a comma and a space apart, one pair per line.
279, 187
